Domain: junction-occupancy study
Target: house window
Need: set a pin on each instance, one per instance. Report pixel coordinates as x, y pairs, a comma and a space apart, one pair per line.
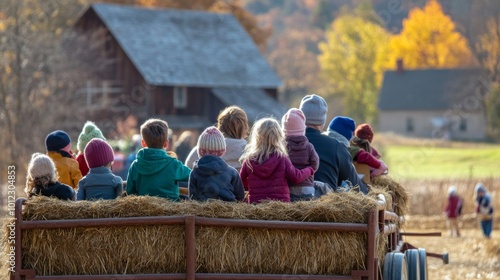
409, 124
180, 97
463, 125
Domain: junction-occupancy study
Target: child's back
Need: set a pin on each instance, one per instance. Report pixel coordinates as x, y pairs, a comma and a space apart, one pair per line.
58, 145
154, 172
301, 153
100, 182
266, 167
41, 179
212, 177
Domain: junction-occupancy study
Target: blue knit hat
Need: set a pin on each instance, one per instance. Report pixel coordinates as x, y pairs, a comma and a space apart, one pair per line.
57, 140
345, 126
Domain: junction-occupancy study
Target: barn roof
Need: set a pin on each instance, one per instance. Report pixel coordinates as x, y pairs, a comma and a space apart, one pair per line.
255, 102
188, 48
429, 89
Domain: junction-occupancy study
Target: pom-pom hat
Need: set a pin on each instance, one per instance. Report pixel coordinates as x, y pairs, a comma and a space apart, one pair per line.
89, 132
211, 142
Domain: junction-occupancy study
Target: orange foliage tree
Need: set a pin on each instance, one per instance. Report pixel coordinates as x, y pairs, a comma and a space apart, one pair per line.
429, 40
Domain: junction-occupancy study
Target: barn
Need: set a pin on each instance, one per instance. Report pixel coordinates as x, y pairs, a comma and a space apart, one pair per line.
178, 65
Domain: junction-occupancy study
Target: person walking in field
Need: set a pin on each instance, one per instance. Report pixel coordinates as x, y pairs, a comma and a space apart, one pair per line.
453, 210
484, 209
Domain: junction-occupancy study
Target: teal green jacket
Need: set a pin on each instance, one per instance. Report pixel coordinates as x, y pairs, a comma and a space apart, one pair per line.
155, 173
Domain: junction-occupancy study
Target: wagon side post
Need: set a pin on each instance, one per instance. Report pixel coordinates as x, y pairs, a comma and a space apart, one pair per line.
190, 247
372, 262
18, 240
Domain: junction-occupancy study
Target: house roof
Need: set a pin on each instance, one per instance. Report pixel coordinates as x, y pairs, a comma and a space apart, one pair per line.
255, 102
187, 48
429, 89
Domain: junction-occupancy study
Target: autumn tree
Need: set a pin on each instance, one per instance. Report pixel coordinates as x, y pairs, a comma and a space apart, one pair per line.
429, 40
351, 61
38, 77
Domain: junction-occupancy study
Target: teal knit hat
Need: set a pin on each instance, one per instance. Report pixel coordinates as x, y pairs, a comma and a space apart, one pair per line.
89, 132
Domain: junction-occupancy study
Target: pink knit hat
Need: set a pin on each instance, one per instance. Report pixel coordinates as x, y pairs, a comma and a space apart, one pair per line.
98, 153
294, 122
211, 142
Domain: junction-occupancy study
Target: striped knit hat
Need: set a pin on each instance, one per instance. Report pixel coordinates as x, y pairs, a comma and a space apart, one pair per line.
211, 142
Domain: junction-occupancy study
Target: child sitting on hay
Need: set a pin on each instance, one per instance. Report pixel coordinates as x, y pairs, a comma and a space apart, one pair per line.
89, 132
41, 179
154, 172
100, 182
363, 137
58, 145
266, 166
301, 153
212, 177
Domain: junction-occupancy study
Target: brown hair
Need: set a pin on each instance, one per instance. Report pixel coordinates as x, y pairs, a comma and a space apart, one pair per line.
155, 133
233, 122
362, 143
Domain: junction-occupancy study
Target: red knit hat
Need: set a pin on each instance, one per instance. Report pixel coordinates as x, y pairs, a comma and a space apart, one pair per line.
98, 153
211, 142
364, 131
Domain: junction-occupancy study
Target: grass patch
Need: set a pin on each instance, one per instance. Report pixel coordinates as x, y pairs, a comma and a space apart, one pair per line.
416, 162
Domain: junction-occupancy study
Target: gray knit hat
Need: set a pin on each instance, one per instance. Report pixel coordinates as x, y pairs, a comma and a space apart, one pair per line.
41, 165
314, 108
211, 142
89, 132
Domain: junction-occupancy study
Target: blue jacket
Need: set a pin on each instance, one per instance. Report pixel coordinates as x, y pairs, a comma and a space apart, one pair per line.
213, 178
99, 183
335, 162
155, 173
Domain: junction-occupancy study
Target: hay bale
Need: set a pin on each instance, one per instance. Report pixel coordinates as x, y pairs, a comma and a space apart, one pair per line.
160, 249
391, 186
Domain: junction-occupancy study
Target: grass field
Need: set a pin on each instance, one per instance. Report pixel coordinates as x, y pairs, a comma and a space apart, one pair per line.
428, 159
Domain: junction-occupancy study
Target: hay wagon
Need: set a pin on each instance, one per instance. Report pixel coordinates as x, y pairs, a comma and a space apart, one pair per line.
156, 239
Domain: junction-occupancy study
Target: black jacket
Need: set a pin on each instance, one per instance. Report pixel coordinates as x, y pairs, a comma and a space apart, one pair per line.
335, 162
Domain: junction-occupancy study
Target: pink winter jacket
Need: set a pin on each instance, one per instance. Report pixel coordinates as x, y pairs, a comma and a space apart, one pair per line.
268, 181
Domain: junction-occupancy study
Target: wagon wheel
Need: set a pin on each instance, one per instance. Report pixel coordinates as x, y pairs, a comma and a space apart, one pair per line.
395, 267
422, 254
413, 262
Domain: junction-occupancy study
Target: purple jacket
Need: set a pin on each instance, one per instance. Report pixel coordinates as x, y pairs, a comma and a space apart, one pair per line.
302, 154
269, 179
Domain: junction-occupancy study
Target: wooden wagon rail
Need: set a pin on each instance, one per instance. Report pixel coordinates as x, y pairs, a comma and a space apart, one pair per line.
377, 224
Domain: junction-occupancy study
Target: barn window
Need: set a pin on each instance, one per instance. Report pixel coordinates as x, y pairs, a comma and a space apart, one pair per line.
463, 125
180, 97
409, 124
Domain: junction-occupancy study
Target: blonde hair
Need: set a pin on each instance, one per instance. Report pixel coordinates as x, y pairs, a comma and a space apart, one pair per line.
233, 122
155, 133
266, 138
35, 185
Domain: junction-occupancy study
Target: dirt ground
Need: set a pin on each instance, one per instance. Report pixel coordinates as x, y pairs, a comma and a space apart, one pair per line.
471, 256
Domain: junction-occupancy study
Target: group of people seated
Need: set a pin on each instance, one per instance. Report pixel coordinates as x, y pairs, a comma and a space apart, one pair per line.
288, 161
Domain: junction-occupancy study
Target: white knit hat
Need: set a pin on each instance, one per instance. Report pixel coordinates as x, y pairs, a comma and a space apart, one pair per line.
211, 142
41, 165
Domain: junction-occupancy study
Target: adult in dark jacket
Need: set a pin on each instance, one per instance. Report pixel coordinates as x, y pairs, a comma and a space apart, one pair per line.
212, 177
335, 162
